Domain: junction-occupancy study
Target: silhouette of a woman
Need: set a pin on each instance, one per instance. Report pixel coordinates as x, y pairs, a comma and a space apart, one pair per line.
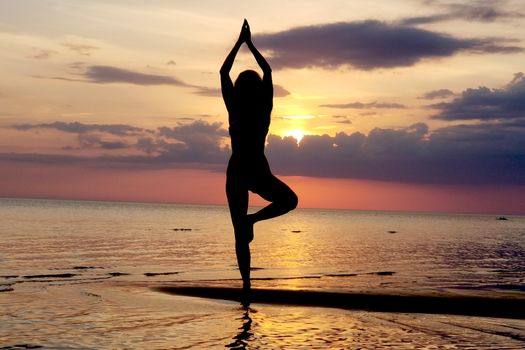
249, 103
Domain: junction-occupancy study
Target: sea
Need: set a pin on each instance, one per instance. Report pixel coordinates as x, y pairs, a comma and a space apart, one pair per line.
84, 275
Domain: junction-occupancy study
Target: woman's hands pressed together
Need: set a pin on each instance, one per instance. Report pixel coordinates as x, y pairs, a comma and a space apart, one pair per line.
245, 36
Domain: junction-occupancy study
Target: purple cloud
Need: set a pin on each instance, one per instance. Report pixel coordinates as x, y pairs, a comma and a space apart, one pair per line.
368, 45
80, 128
108, 74
486, 153
483, 103
441, 93
360, 105
480, 11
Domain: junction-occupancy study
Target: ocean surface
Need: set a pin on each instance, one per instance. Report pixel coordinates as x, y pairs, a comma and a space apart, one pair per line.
82, 275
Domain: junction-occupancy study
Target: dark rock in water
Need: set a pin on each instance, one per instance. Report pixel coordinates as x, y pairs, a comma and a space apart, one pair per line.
297, 231
182, 229
57, 275
92, 294
502, 218
114, 274
253, 268
392, 231
8, 289
150, 274
383, 273
340, 275
22, 346
85, 267
9, 276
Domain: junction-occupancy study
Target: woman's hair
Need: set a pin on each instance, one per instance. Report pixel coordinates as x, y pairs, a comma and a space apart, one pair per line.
248, 83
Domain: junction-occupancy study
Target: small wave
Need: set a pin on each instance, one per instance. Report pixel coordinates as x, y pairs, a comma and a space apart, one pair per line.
9, 276
21, 346
77, 268
509, 287
52, 275
340, 275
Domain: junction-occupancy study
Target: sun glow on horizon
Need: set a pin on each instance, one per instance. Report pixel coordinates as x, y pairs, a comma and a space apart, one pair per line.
297, 134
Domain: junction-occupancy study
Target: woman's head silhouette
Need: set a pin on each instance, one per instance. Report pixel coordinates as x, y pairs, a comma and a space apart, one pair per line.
248, 84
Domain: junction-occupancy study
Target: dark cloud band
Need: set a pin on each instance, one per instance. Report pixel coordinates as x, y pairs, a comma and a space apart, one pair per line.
483, 103
368, 45
463, 154
487, 153
108, 74
361, 105
480, 11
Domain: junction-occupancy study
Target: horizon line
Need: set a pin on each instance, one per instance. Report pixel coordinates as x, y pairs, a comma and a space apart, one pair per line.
441, 212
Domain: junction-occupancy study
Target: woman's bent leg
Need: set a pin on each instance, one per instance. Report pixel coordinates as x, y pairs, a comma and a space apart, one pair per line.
238, 203
282, 199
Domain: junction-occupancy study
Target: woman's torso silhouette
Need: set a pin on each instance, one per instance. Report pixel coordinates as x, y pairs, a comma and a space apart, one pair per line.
249, 113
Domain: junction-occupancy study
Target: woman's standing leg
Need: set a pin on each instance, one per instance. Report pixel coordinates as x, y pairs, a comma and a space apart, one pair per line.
238, 202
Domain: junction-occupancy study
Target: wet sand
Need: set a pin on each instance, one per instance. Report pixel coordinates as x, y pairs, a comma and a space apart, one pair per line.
425, 304
136, 314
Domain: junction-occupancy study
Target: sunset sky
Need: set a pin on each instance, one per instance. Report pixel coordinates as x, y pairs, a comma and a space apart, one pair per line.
384, 105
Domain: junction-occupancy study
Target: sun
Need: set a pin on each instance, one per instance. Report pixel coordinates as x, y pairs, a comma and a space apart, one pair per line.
297, 134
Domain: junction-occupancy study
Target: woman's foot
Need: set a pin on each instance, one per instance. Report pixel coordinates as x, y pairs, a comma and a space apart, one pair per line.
246, 294
246, 285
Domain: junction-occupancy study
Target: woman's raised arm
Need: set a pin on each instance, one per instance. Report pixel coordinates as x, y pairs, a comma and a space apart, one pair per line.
261, 61
226, 81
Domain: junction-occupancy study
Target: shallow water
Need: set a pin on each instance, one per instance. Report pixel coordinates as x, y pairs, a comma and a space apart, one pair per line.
78, 275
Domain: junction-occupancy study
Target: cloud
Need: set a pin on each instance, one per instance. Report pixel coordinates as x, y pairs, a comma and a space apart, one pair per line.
195, 132
101, 74
81, 128
342, 119
208, 91
360, 105
483, 103
42, 54
93, 136
81, 49
490, 153
481, 11
278, 91
90, 141
109, 74
198, 142
441, 93
486, 153
367, 45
